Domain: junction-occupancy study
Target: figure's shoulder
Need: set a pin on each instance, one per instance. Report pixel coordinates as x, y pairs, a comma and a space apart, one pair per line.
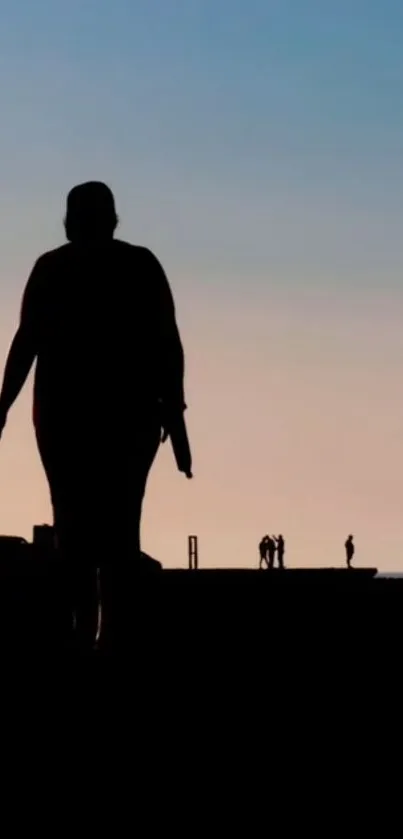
56, 256
142, 262
134, 252
43, 270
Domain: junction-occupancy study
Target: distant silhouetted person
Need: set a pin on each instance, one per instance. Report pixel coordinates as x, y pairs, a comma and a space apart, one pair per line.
271, 551
350, 550
280, 545
263, 546
98, 317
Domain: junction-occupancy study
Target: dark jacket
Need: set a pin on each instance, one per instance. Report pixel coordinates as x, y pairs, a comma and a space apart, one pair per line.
103, 321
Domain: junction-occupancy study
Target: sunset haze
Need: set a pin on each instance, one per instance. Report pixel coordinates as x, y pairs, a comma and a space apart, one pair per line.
256, 148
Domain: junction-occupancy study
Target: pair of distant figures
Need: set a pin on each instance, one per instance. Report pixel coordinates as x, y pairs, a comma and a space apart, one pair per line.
268, 548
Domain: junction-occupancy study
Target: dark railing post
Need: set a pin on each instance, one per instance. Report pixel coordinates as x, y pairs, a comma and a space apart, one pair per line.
193, 553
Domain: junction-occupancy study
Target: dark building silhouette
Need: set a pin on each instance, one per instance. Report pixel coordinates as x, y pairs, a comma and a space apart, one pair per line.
44, 536
98, 317
11, 542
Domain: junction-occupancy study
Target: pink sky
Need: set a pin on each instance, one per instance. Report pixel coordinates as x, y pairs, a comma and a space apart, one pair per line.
295, 411
257, 149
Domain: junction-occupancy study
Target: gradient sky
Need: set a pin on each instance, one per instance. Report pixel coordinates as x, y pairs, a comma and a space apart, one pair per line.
257, 148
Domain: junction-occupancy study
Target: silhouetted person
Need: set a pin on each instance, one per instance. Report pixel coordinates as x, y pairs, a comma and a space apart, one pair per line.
98, 317
350, 550
271, 551
263, 545
280, 546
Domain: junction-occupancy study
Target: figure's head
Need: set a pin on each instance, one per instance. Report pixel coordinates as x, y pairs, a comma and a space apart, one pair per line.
91, 213
351, 537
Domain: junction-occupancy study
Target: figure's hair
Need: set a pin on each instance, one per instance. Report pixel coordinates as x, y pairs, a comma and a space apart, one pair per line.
91, 212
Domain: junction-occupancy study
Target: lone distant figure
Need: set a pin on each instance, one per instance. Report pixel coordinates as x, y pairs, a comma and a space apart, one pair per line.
280, 544
350, 550
98, 317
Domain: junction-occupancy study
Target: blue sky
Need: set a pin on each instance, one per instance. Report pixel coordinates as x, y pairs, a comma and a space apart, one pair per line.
243, 111
257, 147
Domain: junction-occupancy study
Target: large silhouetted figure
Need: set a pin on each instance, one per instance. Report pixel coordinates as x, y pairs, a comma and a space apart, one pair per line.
350, 550
98, 317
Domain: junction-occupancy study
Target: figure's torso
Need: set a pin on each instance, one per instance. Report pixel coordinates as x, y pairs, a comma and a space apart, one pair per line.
95, 338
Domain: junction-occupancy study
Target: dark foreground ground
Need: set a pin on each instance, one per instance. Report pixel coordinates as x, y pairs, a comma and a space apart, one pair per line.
219, 614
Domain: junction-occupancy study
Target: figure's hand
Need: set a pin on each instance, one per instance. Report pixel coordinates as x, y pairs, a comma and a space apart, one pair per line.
168, 424
173, 425
3, 420
171, 416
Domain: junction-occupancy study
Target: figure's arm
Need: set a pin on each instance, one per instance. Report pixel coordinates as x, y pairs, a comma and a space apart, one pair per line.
171, 368
171, 361
23, 349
